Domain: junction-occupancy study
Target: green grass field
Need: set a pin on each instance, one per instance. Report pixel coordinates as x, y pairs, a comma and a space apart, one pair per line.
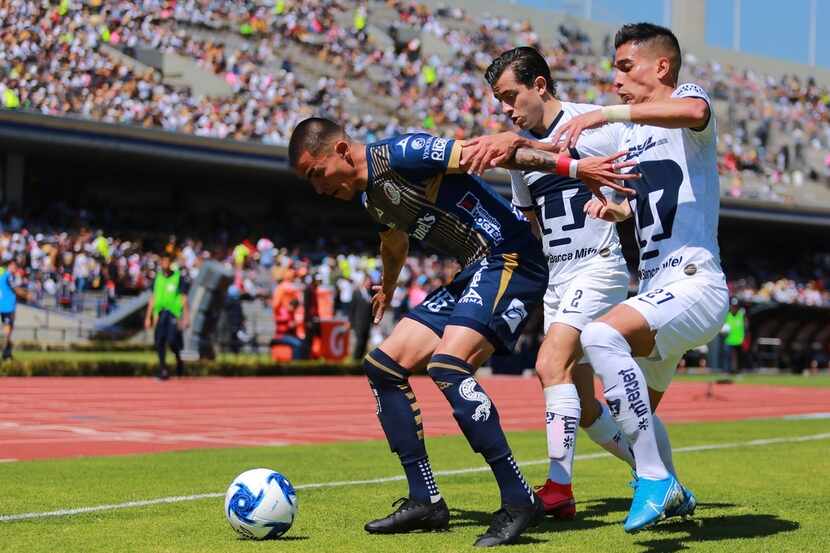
769, 497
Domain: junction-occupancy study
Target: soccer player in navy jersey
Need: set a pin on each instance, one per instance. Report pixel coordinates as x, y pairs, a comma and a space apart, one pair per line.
413, 185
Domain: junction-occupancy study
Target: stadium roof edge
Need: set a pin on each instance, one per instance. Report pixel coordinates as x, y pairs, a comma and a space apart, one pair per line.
29, 132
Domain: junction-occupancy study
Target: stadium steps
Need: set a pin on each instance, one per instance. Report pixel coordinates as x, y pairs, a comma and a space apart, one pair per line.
307, 68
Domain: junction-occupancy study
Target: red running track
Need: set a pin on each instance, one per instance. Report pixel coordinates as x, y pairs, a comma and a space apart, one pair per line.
68, 417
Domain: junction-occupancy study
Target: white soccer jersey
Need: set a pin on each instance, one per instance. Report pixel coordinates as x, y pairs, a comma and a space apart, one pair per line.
571, 240
678, 198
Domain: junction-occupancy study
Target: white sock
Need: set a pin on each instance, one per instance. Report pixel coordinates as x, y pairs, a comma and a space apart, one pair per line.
605, 433
626, 393
562, 412
663, 444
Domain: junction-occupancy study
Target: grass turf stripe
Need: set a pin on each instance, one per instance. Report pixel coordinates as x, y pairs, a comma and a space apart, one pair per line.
337, 484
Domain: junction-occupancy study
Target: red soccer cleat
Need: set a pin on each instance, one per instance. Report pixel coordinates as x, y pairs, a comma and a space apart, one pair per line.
558, 500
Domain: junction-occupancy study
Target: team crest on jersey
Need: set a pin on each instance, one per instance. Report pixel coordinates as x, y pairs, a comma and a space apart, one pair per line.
418, 143
483, 219
392, 192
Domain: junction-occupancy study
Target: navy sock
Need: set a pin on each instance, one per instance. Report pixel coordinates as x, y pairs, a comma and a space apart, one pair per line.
512, 485
400, 417
479, 421
421, 481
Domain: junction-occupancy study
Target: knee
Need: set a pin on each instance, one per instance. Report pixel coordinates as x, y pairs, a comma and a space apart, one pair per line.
602, 335
551, 372
381, 369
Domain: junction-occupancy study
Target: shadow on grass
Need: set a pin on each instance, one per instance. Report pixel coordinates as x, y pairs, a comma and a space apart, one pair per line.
607, 506
716, 528
282, 538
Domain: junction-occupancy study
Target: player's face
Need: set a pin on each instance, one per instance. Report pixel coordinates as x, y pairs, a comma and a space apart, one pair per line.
636, 75
330, 174
523, 104
165, 264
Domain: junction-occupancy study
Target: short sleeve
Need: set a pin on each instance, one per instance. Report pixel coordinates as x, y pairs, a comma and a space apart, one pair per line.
691, 90
521, 193
420, 155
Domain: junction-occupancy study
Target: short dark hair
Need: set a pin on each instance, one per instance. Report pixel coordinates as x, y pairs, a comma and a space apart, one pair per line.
312, 135
527, 64
660, 36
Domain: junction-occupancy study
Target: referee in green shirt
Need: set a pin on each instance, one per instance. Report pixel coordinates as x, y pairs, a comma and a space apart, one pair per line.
168, 310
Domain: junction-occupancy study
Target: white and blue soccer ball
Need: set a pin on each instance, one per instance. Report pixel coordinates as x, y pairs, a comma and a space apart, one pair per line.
261, 504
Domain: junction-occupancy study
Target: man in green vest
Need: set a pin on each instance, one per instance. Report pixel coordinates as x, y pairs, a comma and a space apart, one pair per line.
734, 332
168, 310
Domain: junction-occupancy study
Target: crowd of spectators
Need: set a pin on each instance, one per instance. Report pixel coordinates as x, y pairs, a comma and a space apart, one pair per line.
776, 130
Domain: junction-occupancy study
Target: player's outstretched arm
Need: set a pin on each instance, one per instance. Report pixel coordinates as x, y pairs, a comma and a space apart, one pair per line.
673, 113
594, 172
394, 247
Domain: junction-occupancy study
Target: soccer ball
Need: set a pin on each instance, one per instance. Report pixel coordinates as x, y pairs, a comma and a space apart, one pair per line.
261, 504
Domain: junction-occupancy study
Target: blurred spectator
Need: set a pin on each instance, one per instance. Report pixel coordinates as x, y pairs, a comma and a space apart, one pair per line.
286, 320
360, 315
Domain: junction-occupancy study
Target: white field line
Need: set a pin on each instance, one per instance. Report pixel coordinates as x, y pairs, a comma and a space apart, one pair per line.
341, 483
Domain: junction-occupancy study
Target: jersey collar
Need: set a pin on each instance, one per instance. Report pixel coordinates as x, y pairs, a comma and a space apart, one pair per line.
550, 127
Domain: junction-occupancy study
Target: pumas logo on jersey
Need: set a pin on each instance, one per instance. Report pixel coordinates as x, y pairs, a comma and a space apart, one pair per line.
423, 225
636, 151
482, 218
392, 192
514, 314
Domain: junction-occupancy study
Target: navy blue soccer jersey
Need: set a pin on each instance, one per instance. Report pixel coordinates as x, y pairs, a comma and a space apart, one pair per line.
416, 186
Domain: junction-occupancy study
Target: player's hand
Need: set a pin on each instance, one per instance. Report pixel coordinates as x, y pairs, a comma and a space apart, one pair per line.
486, 152
595, 209
148, 323
380, 301
568, 133
596, 172
183, 324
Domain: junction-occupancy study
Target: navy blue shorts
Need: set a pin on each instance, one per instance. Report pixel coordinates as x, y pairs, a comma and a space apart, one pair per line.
493, 296
167, 332
7, 318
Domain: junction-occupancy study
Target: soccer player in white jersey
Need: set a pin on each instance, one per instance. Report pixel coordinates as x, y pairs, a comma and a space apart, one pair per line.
587, 271
670, 131
683, 298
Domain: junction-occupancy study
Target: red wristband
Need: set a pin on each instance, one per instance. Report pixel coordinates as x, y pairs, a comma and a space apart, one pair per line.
563, 164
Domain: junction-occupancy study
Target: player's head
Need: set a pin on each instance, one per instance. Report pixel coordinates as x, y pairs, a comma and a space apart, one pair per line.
321, 152
647, 58
521, 82
166, 262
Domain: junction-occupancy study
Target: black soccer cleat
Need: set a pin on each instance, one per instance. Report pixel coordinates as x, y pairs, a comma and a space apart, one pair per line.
412, 515
510, 521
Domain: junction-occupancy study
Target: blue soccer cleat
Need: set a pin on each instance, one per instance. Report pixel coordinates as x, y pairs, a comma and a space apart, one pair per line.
685, 508
652, 498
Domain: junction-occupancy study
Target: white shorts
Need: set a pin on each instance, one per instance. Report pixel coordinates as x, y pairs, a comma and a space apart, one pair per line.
586, 296
686, 314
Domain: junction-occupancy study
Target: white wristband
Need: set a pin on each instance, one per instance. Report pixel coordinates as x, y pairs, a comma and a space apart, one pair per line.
572, 167
617, 114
